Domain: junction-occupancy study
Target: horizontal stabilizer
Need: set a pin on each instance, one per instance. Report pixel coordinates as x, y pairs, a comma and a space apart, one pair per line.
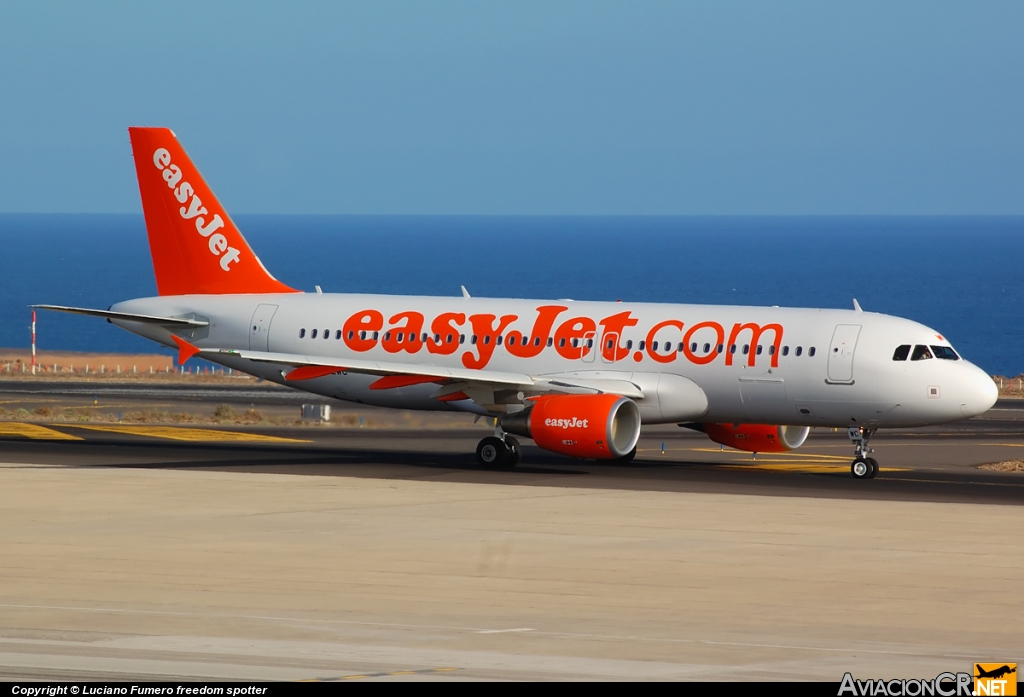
126, 316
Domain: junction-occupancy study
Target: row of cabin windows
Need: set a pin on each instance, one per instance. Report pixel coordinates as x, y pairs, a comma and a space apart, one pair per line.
923, 353
668, 346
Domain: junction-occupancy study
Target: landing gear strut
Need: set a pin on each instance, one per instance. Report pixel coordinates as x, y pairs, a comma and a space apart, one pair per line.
500, 451
863, 467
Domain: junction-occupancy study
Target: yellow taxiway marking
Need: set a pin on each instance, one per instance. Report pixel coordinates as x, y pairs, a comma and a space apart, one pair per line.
788, 454
805, 467
33, 431
207, 435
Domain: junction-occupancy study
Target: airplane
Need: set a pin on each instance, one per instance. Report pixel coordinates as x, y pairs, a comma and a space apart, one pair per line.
579, 378
995, 673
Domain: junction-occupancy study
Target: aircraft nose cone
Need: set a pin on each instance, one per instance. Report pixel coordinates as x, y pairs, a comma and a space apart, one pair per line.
980, 396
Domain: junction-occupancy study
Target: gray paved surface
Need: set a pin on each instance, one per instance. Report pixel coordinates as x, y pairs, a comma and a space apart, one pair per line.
372, 552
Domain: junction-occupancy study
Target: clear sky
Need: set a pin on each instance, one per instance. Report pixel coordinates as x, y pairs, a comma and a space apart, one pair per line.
522, 107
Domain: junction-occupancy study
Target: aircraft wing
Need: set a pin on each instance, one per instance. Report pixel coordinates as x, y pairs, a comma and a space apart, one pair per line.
455, 383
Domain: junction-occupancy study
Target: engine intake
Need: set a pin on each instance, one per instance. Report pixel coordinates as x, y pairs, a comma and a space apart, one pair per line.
601, 426
758, 438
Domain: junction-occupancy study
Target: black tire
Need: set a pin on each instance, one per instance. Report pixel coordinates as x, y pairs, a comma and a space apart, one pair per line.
627, 458
874, 467
492, 453
861, 468
514, 451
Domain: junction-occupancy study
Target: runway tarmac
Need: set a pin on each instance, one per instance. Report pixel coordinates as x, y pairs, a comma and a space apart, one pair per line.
155, 551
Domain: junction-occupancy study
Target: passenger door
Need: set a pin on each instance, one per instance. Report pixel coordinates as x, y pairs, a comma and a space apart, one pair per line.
840, 354
259, 328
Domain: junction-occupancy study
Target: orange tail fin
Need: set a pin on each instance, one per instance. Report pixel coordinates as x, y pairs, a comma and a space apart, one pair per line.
196, 248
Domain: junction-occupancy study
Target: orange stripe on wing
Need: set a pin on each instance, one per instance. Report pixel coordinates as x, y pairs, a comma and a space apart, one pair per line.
308, 372
389, 382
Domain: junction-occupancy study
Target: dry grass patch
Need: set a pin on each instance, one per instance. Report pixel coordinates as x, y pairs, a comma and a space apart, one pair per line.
1005, 466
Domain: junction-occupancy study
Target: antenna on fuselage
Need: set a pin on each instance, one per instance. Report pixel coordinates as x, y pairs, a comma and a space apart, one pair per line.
465, 293
856, 306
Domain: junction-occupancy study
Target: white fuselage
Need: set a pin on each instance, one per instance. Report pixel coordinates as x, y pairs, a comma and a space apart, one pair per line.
789, 366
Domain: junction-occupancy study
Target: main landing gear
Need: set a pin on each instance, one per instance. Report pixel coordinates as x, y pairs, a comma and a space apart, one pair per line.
863, 467
500, 451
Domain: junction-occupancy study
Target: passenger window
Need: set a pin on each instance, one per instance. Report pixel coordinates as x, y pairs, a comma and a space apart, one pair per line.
746, 349
693, 347
362, 335
401, 335
641, 345
945, 353
732, 349
462, 338
437, 338
302, 333
799, 350
654, 346
921, 353
375, 336
312, 335
901, 353
448, 339
512, 341
707, 348
327, 333
590, 343
498, 340
771, 350
759, 349
472, 339
629, 344
610, 344
351, 333
785, 350
487, 339
551, 341
337, 335
810, 352
387, 336
721, 348
536, 341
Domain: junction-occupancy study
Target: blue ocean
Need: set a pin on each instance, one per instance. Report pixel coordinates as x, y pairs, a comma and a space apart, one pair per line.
959, 275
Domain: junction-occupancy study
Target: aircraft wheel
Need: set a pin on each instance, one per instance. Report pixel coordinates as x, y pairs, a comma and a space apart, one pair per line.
862, 469
491, 452
514, 451
627, 458
874, 467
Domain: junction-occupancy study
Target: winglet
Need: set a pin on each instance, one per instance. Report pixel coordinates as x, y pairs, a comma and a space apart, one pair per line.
185, 349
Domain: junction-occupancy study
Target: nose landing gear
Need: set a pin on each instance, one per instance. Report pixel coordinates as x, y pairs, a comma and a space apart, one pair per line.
863, 467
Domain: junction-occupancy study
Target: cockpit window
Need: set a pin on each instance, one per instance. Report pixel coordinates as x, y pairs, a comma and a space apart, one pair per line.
901, 353
921, 353
945, 353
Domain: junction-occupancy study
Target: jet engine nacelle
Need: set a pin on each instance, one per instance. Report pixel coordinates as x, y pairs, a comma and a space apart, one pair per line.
601, 426
758, 438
